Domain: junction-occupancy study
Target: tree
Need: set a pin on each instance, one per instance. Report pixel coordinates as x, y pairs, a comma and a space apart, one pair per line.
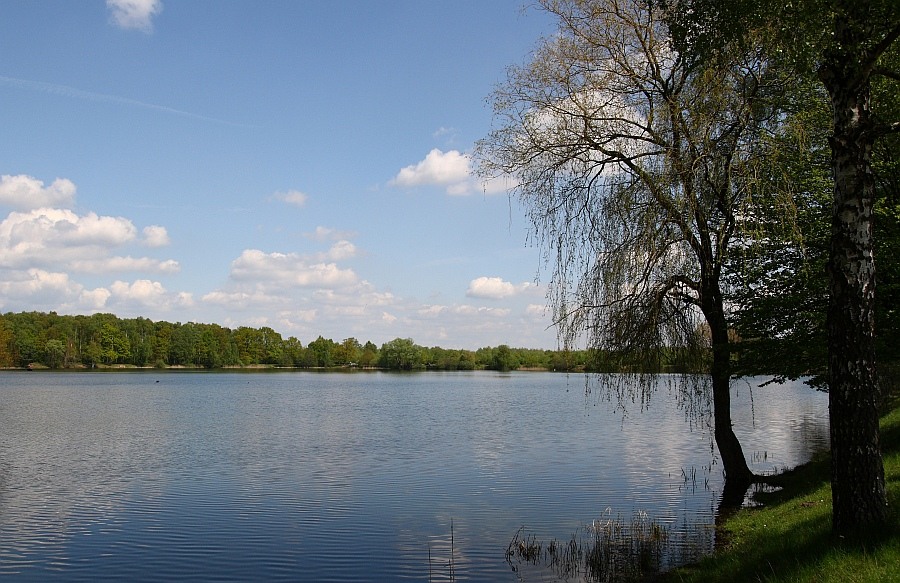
55, 353
6, 338
348, 352
293, 351
114, 345
369, 355
848, 43
778, 275
400, 354
862, 34
503, 359
251, 345
634, 163
321, 352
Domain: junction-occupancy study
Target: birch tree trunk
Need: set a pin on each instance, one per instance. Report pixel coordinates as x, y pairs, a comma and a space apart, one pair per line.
858, 488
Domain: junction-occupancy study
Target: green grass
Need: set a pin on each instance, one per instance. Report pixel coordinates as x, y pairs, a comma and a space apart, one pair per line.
789, 538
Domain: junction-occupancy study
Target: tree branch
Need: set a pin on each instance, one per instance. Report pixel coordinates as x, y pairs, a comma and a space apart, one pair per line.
885, 72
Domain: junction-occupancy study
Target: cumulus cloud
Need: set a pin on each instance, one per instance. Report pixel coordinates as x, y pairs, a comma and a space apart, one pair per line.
144, 294
38, 285
95, 299
59, 237
341, 250
292, 197
156, 236
494, 288
52, 236
289, 269
134, 14
453, 171
36, 289
142, 291
122, 264
42, 245
24, 192
450, 169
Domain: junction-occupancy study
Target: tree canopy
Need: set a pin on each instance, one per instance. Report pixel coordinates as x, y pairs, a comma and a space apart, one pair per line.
104, 340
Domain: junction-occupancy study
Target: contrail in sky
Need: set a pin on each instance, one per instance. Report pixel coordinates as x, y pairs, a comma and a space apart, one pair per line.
72, 92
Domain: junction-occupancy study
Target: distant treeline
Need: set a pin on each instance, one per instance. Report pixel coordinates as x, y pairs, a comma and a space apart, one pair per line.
37, 339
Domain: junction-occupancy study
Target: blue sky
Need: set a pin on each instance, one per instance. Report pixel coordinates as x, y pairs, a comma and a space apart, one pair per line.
295, 164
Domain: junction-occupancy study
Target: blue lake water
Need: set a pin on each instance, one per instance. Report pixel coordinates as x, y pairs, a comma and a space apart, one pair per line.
367, 476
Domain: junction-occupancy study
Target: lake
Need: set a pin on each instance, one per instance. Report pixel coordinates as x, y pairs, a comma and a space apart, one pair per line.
365, 476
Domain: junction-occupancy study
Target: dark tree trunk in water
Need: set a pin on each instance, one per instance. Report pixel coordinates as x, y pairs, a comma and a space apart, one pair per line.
857, 470
738, 476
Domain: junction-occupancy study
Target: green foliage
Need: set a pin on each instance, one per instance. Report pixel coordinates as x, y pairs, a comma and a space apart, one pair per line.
778, 278
54, 353
401, 354
320, 352
99, 340
503, 359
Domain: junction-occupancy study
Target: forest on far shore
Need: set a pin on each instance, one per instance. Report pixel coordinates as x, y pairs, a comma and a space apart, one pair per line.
51, 340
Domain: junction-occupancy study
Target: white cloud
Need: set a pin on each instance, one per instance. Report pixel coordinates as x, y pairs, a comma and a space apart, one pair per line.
60, 238
95, 299
432, 311
142, 291
143, 294
451, 169
52, 236
39, 289
499, 185
327, 234
156, 236
290, 317
243, 300
136, 14
536, 310
341, 250
494, 288
26, 193
292, 197
122, 264
184, 299
467, 310
289, 269
38, 285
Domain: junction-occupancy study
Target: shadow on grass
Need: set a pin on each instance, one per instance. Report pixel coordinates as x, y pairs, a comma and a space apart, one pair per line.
789, 537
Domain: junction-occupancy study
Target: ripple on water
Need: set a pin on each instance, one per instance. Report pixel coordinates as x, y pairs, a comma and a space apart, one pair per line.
337, 477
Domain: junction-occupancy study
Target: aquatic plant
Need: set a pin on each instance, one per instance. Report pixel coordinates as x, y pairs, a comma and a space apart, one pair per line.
608, 549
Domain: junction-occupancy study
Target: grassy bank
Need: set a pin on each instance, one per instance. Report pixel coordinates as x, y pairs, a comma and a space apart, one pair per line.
790, 539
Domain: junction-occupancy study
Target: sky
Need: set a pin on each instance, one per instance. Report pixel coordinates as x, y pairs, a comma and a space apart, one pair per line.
298, 164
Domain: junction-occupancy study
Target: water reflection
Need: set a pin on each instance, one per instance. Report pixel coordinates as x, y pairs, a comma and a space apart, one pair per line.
302, 476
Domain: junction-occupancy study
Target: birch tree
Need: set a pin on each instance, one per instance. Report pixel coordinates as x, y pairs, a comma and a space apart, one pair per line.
633, 164
863, 32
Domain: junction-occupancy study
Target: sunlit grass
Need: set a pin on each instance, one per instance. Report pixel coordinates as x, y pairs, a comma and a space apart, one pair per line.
789, 538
